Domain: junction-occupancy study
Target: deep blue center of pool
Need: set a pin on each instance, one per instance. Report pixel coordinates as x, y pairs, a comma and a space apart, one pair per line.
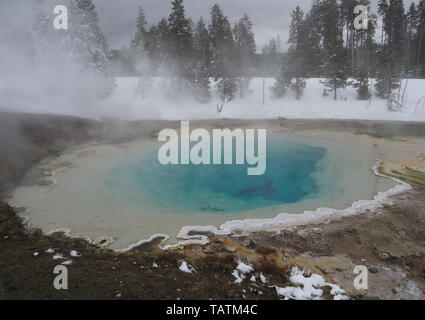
143, 181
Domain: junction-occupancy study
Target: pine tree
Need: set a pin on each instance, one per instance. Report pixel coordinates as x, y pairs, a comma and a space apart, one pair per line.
334, 68
201, 82
361, 82
141, 34
421, 38
221, 39
292, 73
390, 57
270, 60
364, 45
82, 47
163, 40
244, 48
202, 42
412, 28
179, 40
88, 39
139, 49
314, 50
201, 62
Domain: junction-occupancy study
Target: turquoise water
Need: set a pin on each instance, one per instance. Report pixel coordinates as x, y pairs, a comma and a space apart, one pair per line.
142, 181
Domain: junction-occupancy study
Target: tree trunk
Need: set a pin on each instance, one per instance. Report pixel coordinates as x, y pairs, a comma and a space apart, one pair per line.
335, 97
418, 61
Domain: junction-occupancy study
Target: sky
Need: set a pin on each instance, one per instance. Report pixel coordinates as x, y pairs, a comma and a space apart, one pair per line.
270, 17
118, 17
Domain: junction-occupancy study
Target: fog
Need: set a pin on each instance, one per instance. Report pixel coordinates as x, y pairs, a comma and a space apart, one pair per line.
60, 81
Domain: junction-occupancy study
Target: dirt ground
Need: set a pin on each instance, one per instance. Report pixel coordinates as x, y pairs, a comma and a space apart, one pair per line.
389, 241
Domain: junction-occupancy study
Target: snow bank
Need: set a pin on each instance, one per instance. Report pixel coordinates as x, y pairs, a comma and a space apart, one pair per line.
124, 103
311, 287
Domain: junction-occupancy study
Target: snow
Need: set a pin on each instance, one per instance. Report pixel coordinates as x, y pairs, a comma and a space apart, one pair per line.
36, 254
309, 287
239, 277
74, 254
262, 278
57, 257
240, 271
124, 103
67, 263
244, 268
185, 267
154, 265
312, 104
50, 250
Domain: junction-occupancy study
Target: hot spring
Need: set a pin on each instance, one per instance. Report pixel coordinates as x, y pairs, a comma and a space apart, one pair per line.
124, 192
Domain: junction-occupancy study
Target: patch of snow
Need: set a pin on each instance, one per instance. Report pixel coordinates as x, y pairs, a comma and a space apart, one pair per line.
262, 278
253, 278
36, 254
310, 287
74, 254
58, 256
154, 265
244, 268
413, 289
186, 267
67, 263
50, 250
239, 278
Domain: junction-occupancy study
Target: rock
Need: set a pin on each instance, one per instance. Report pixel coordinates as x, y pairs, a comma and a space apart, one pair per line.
373, 270
103, 241
339, 269
218, 241
323, 269
33, 233
384, 255
209, 250
245, 243
229, 249
252, 244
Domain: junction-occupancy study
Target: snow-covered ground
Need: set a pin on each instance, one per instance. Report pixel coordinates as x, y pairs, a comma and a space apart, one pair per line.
125, 103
